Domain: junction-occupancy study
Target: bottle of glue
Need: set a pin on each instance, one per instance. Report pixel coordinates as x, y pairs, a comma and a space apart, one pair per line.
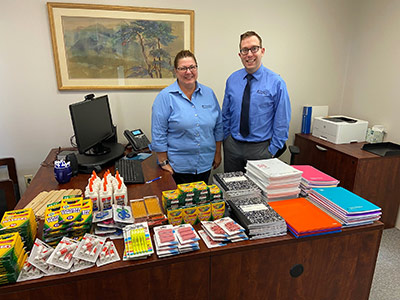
92, 192
120, 192
105, 195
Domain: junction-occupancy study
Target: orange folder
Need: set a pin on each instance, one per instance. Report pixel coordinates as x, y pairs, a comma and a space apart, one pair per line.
304, 217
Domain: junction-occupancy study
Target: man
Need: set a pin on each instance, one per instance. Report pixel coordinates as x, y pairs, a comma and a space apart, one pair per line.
256, 109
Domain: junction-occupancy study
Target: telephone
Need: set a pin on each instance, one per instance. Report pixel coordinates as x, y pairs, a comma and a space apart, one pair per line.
137, 139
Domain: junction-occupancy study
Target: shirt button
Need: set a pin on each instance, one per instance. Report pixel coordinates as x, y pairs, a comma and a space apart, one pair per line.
193, 106
195, 115
197, 125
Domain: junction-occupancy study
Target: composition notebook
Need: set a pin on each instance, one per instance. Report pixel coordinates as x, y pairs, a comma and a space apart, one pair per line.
304, 218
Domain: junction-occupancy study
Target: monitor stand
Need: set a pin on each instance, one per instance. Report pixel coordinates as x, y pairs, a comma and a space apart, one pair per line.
89, 163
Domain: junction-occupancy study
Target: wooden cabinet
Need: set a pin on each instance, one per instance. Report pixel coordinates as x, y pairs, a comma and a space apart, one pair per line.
368, 175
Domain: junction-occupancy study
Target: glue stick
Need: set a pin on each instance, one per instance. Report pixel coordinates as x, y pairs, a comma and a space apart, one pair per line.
120, 193
106, 197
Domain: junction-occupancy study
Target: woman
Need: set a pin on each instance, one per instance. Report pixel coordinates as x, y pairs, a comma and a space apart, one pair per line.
186, 125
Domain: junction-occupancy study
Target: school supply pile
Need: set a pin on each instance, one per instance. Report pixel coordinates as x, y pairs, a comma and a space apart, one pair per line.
137, 241
12, 257
258, 218
22, 221
345, 206
304, 218
109, 223
106, 191
40, 202
220, 232
148, 209
193, 202
172, 240
69, 256
71, 217
276, 179
314, 178
235, 184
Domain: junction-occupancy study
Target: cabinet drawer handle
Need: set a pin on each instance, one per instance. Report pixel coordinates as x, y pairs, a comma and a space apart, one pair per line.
321, 148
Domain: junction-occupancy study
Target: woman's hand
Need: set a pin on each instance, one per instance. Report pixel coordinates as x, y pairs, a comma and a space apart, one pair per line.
168, 168
217, 160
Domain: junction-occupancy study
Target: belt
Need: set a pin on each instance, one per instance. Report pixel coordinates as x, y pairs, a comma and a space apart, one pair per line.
245, 142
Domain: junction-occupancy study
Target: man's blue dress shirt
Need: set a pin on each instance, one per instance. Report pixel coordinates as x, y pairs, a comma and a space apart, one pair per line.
269, 108
187, 130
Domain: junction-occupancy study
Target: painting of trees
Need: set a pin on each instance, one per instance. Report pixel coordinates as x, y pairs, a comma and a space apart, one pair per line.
115, 48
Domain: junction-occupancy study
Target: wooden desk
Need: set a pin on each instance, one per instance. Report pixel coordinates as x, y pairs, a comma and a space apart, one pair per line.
368, 175
336, 266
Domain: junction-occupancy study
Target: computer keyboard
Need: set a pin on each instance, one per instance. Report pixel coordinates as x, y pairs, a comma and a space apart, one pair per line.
130, 170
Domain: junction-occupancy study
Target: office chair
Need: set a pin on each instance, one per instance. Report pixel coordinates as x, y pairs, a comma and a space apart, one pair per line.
294, 150
9, 188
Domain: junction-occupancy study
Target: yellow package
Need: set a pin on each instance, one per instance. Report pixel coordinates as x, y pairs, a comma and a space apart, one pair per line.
190, 215
138, 209
204, 212
71, 210
200, 188
171, 198
52, 217
11, 248
175, 216
217, 209
186, 189
19, 218
87, 213
215, 192
152, 206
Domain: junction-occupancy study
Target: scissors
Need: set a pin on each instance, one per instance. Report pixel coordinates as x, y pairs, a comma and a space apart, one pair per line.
123, 213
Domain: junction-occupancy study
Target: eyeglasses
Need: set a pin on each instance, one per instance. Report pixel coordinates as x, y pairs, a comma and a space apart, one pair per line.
253, 49
190, 68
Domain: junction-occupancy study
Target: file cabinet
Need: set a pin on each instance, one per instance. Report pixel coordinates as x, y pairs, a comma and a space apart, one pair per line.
368, 175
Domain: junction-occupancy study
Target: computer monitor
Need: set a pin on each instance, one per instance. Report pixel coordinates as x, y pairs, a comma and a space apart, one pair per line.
93, 127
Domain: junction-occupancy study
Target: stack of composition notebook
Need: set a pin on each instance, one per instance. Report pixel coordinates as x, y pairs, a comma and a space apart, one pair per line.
276, 179
347, 207
314, 178
235, 184
304, 218
257, 217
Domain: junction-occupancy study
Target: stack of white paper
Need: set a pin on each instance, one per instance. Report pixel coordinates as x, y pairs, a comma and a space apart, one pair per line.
276, 179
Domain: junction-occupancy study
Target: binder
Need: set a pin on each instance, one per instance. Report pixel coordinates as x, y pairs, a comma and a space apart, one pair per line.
309, 113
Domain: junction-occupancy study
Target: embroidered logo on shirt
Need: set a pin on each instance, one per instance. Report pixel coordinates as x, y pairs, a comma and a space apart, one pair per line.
265, 93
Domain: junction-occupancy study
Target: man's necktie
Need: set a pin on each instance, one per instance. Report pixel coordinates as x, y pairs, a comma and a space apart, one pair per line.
244, 116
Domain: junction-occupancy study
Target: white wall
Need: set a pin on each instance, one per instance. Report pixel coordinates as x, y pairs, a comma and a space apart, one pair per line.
320, 47
373, 80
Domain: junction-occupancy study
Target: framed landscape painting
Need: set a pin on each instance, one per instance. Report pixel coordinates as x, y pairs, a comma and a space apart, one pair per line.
117, 47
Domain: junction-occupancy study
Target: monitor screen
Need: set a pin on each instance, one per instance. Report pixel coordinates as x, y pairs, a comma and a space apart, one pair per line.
92, 123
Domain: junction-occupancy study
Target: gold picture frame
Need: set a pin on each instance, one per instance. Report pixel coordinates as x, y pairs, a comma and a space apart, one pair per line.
117, 47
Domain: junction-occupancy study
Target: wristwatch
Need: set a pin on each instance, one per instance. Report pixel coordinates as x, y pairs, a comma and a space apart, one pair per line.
164, 163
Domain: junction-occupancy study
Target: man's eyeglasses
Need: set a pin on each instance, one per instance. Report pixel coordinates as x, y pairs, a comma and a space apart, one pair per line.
253, 49
190, 68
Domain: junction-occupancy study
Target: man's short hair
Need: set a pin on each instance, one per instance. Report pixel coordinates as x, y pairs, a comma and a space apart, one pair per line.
182, 54
249, 34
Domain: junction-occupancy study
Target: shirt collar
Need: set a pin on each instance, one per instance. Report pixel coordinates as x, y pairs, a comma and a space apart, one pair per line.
257, 74
174, 88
